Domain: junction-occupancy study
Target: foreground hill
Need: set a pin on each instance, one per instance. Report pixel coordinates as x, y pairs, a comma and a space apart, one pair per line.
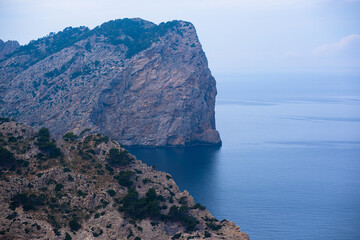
89, 187
137, 82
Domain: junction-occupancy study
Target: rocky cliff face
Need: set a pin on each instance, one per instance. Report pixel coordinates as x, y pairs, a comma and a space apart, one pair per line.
89, 187
140, 83
7, 47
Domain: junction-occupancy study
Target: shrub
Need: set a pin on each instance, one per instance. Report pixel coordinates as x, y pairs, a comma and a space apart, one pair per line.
182, 215
118, 158
56, 232
176, 236
81, 193
183, 200
214, 226
29, 202
59, 187
6, 157
67, 237
4, 119
88, 47
70, 136
146, 180
207, 234
12, 216
74, 225
12, 139
111, 192
141, 208
124, 178
109, 168
45, 144
199, 206
43, 135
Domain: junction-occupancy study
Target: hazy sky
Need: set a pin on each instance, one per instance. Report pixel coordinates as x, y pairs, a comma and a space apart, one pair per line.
238, 36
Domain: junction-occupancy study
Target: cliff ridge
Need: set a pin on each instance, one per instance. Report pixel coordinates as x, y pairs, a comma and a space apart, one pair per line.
140, 83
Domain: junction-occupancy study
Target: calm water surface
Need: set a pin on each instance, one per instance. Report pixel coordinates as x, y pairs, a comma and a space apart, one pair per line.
289, 167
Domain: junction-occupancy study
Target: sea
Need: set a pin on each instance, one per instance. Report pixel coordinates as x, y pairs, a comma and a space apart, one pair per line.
289, 164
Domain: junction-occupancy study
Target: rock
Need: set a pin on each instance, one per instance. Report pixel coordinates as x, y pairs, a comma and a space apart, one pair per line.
139, 83
7, 47
85, 195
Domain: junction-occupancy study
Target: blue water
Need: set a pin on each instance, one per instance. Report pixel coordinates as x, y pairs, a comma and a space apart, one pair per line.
289, 166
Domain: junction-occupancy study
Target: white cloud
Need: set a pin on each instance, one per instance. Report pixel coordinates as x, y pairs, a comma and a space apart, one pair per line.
347, 45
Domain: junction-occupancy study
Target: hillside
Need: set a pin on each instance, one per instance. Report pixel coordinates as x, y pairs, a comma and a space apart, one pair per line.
135, 81
89, 187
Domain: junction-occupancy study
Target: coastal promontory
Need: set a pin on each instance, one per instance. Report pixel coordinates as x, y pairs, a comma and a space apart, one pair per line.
140, 83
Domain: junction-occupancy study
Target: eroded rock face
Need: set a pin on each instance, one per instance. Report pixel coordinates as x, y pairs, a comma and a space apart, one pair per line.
144, 85
7, 47
83, 192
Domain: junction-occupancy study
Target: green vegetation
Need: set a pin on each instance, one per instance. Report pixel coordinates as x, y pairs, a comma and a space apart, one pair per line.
137, 38
182, 215
52, 200
207, 234
70, 136
59, 187
88, 47
176, 236
214, 226
111, 192
146, 180
46, 145
43, 47
6, 158
183, 200
27, 201
56, 72
12, 139
4, 119
74, 225
109, 168
67, 236
199, 206
140, 208
116, 157
124, 178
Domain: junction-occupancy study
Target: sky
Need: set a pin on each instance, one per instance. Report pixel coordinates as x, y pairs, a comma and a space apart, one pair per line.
238, 36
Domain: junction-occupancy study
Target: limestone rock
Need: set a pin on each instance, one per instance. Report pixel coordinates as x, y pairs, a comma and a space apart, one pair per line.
83, 194
7, 47
140, 83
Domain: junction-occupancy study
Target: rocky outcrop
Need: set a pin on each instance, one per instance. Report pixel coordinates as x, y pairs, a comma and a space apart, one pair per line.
89, 187
7, 47
140, 83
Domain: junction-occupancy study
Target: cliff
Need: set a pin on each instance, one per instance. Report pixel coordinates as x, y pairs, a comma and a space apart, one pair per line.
89, 187
137, 82
7, 47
